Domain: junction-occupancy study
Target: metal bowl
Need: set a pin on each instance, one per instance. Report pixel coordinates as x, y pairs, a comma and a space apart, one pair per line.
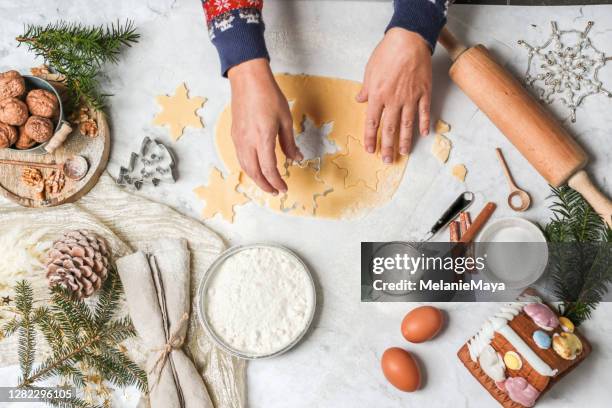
203, 288
32, 82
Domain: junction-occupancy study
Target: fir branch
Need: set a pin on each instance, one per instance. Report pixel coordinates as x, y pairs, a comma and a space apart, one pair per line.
108, 299
52, 366
117, 368
71, 373
126, 368
73, 402
50, 328
24, 299
80, 338
65, 303
11, 327
119, 330
581, 254
79, 52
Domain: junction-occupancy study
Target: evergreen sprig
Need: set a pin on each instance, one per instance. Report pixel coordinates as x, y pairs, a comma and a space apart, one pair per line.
581, 254
79, 52
78, 335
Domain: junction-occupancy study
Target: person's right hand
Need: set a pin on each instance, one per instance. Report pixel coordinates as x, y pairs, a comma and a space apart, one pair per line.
260, 112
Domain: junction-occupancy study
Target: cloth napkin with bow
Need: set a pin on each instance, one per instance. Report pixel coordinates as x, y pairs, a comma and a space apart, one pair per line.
156, 285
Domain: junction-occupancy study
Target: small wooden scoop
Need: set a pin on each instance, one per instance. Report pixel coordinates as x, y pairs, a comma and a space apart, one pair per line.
74, 168
523, 196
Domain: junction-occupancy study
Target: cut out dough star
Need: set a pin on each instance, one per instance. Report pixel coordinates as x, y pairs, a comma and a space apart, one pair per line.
220, 195
179, 111
360, 164
303, 185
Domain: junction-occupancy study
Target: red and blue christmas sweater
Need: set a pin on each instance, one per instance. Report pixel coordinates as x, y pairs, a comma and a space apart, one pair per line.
236, 27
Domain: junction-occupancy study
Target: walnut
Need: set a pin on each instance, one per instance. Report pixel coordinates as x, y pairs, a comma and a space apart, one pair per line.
42, 103
39, 129
12, 85
55, 182
8, 135
23, 140
13, 111
31, 176
89, 127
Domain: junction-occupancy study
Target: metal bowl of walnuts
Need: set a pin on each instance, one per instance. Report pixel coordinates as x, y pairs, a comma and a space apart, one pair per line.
31, 113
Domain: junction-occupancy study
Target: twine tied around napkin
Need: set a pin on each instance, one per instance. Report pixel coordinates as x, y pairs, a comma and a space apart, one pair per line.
156, 285
175, 342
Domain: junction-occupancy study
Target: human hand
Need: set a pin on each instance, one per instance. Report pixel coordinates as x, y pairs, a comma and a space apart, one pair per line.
260, 113
397, 83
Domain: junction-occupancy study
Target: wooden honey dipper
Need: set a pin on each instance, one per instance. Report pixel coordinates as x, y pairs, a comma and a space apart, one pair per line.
523, 120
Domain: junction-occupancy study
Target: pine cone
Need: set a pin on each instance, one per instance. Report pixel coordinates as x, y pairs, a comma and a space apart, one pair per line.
78, 261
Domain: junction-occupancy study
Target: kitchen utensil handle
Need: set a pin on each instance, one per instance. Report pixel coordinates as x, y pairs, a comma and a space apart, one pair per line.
451, 44
478, 223
505, 168
31, 164
59, 137
460, 204
582, 183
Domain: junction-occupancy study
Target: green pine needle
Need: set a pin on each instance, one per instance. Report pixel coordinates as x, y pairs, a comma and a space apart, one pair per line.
79, 53
79, 335
581, 254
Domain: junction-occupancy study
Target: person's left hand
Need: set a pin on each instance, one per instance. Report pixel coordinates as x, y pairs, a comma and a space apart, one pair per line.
397, 84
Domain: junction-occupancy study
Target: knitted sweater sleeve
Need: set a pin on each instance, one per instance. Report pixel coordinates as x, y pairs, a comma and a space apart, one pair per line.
425, 17
236, 29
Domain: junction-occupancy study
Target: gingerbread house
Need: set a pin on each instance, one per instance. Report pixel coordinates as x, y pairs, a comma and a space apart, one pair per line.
522, 351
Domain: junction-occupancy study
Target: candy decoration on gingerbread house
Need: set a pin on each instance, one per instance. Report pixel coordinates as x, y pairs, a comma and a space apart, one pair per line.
521, 351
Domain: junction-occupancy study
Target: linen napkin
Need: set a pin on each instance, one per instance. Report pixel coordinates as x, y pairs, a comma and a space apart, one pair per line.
156, 285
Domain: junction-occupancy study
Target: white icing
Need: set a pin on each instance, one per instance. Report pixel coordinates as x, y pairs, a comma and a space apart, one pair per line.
492, 364
499, 323
526, 352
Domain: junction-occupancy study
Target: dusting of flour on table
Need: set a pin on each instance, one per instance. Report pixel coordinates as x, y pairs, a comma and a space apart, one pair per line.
259, 300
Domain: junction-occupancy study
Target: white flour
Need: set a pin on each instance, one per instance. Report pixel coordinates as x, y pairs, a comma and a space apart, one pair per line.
259, 300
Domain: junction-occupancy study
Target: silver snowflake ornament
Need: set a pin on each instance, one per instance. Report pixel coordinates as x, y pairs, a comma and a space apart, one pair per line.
565, 68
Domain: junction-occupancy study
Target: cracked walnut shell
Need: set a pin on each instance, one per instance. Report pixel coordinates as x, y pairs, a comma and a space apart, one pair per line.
12, 85
31, 177
8, 135
13, 111
42, 103
39, 129
55, 182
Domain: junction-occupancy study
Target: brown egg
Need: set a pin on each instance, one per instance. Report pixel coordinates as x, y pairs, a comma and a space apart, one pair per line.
422, 324
400, 369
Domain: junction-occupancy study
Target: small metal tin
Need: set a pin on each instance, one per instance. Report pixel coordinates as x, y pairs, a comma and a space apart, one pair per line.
205, 282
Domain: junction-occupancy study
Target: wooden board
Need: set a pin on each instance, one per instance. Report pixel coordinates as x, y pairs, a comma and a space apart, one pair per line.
96, 150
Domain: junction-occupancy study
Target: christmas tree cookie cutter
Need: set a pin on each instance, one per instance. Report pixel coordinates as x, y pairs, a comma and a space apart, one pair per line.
153, 164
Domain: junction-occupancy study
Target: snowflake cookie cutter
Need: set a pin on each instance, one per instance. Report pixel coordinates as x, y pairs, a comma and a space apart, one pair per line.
568, 72
153, 164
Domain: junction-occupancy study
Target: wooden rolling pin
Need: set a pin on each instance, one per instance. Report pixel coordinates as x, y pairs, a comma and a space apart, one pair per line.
531, 128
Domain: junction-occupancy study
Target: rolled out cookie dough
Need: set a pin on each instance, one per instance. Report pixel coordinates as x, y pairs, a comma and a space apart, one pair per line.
347, 182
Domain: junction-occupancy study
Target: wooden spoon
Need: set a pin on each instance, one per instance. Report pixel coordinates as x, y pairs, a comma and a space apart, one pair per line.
74, 168
523, 196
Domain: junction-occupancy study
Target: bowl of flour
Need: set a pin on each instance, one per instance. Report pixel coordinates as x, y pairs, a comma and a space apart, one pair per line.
257, 301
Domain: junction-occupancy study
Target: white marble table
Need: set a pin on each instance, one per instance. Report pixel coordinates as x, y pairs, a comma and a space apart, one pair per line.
337, 365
